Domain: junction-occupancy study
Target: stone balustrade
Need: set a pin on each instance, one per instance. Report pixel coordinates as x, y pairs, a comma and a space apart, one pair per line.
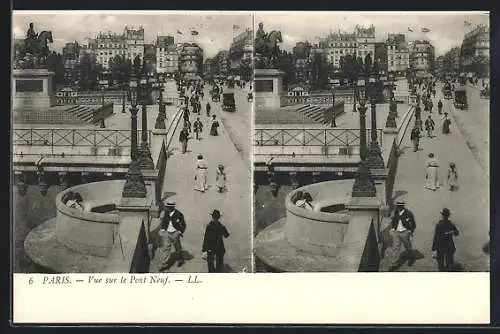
91, 98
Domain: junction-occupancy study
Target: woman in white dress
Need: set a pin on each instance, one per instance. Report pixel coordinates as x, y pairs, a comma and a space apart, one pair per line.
200, 177
432, 181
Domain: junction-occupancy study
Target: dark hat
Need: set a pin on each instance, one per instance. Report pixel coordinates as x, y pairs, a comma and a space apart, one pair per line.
400, 203
215, 214
452, 164
170, 203
445, 212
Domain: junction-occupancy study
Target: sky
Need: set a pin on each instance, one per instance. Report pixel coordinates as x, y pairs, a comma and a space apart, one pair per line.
447, 29
215, 28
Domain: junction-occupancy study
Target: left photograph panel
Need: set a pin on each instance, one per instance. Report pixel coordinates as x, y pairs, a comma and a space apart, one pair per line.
131, 142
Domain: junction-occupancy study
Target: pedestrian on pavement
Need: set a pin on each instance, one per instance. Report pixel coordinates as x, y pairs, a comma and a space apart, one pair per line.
431, 176
418, 112
442, 244
446, 124
220, 178
187, 124
434, 93
172, 229
431, 105
452, 177
213, 243
208, 107
214, 127
415, 135
200, 176
184, 138
402, 228
429, 126
198, 127
440, 107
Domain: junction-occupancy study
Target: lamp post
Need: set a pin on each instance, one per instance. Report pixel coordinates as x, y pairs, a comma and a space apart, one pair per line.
363, 184
334, 123
374, 157
144, 159
103, 84
132, 96
160, 119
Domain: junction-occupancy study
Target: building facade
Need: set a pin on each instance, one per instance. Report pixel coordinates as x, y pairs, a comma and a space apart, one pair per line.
241, 50
107, 46
301, 56
167, 55
398, 55
191, 58
135, 42
452, 61
475, 50
337, 45
365, 40
221, 63
421, 57
381, 57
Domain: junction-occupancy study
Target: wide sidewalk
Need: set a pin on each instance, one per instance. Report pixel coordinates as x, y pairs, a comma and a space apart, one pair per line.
235, 204
469, 205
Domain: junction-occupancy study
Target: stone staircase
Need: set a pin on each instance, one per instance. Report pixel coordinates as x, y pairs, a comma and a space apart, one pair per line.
314, 112
85, 113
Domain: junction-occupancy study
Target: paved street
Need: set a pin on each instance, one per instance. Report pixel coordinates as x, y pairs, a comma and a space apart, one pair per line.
469, 205
234, 204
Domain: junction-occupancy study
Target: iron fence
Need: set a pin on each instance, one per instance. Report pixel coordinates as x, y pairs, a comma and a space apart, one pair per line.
74, 137
343, 139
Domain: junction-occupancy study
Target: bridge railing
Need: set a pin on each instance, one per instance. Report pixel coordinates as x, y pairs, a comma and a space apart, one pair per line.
310, 141
325, 98
74, 138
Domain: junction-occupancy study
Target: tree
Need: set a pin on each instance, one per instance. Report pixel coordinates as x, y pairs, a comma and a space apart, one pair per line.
55, 63
359, 66
137, 65
480, 65
376, 67
89, 71
318, 72
368, 63
286, 65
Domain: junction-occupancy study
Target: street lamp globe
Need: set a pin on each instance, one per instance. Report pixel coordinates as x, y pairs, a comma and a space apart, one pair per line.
132, 91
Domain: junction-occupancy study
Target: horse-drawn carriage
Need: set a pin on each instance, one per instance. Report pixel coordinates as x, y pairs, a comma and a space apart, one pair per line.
228, 103
447, 92
460, 101
485, 92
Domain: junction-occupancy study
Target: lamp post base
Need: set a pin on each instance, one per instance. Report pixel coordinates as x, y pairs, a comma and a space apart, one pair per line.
145, 160
364, 186
374, 158
134, 186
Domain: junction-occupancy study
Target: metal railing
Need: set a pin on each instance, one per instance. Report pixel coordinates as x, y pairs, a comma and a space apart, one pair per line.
343, 139
74, 137
326, 98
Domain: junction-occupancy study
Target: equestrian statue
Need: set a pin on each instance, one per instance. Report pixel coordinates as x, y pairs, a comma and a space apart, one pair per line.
34, 52
266, 48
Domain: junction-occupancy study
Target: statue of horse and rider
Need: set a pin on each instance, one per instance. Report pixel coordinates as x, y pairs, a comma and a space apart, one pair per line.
36, 48
266, 47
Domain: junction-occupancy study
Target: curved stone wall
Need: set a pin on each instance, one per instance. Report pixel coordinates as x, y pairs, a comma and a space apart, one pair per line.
89, 232
319, 232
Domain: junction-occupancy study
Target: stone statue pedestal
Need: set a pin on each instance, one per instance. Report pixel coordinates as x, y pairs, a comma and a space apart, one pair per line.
32, 89
268, 88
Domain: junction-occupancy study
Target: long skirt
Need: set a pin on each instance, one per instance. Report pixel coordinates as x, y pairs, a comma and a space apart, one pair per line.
213, 131
200, 182
432, 181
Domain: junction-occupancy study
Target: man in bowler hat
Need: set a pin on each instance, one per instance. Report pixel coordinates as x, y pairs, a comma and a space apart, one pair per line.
443, 244
402, 228
172, 228
213, 243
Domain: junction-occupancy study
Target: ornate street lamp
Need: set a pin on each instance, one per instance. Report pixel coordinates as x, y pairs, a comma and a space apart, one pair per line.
134, 184
363, 184
144, 159
334, 123
374, 157
103, 84
160, 119
132, 96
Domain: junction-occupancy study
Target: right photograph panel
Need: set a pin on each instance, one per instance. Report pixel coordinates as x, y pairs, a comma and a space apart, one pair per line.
371, 141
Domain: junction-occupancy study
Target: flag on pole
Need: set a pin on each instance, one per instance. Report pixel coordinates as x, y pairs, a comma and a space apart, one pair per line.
236, 27
410, 29
179, 32
194, 33
424, 29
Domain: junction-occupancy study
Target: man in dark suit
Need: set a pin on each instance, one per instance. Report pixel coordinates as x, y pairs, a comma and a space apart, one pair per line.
172, 228
213, 243
443, 244
402, 228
